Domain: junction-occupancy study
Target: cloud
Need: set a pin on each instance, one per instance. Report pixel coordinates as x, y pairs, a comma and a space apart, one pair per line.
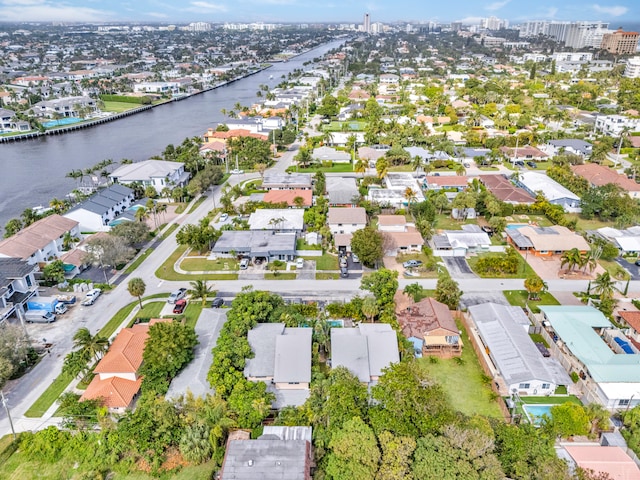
496, 5
613, 11
157, 15
206, 7
42, 11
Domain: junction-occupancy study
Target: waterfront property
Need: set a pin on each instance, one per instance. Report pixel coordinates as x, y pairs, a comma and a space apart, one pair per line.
98, 211
156, 173
504, 332
17, 286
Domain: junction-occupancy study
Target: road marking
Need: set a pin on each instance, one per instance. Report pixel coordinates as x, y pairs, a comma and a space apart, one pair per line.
161, 282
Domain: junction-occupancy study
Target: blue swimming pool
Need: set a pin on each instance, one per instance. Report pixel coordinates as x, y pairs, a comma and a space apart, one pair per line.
62, 121
535, 412
516, 225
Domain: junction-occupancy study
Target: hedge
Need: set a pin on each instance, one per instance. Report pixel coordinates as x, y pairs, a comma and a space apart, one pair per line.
126, 99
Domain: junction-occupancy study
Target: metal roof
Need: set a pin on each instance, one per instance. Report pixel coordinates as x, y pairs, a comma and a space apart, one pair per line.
504, 330
293, 356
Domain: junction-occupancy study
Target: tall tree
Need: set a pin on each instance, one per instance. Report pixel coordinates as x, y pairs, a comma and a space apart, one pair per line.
448, 291
354, 453
383, 284
367, 244
136, 288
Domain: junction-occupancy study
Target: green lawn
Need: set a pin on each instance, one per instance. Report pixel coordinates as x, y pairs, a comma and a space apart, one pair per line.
327, 276
425, 293
351, 126
193, 311
325, 262
169, 231
524, 269
138, 261
166, 271
519, 298
445, 222
192, 264
537, 338
301, 244
151, 310
464, 382
118, 107
197, 203
280, 276
615, 270
335, 168
50, 395
553, 400
583, 225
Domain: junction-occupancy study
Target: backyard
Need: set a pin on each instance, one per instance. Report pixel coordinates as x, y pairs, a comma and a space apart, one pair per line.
119, 107
464, 381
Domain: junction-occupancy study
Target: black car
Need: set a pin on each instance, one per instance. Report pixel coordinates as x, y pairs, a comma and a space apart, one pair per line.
638, 262
519, 163
344, 272
217, 303
532, 164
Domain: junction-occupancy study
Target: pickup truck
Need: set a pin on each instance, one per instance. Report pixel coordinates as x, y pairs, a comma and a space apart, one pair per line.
67, 299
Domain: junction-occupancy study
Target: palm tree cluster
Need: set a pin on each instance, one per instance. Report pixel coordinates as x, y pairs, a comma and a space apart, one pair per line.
574, 258
89, 348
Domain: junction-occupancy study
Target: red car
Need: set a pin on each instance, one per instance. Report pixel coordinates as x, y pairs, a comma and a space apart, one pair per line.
179, 306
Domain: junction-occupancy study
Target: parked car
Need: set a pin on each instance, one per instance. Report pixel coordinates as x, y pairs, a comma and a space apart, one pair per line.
177, 295
39, 316
519, 163
355, 258
217, 303
300, 263
91, 297
236, 171
638, 262
344, 272
343, 262
224, 217
412, 263
244, 264
466, 165
180, 306
532, 164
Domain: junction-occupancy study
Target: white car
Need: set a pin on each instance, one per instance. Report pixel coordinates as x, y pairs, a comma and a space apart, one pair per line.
224, 217
236, 171
300, 263
177, 295
355, 258
91, 296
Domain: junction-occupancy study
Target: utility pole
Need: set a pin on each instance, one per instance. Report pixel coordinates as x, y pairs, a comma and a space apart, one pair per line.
6, 408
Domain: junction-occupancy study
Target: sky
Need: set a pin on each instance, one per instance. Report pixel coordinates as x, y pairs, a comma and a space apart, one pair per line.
348, 11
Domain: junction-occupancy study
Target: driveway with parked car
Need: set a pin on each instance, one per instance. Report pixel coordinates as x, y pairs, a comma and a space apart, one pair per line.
632, 268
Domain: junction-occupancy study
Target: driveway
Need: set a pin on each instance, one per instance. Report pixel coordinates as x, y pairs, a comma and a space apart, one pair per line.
308, 272
477, 298
633, 269
194, 376
458, 267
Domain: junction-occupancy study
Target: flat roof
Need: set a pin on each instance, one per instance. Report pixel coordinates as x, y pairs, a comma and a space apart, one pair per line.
552, 190
277, 219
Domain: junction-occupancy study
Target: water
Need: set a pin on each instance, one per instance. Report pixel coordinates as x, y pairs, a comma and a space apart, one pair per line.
33, 171
537, 411
62, 121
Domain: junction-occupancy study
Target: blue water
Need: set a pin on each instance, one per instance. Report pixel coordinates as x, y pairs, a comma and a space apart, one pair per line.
512, 226
536, 411
62, 121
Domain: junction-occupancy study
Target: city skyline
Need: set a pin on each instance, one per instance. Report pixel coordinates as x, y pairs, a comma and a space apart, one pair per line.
277, 11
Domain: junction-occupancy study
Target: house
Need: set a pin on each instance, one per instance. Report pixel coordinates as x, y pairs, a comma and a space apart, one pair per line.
614, 125
371, 154
342, 191
505, 191
95, 213
627, 241
212, 135
504, 333
63, 107
599, 175
527, 152
391, 198
399, 236
346, 220
163, 88
42, 241
456, 183
277, 219
328, 154
556, 194
568, 145
610, 461
282, 359
609, 368
365, 351
287, 181
293, 198
458, 243
17, 286
117, 382
279, 453
156, 173
6, 119
430, 325
545, 241
260, 245
632, 320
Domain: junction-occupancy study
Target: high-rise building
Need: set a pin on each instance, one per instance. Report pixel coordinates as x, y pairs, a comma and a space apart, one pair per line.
494, 23
366, 26
585, 34
199, 27
632, 69
620, 42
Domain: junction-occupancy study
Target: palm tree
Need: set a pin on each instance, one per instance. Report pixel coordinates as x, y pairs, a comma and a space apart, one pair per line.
416, 163
361, 166
92, 345
604, 286
141, 214
75, 174
382, 167
571, 258
200, 289
136, 288
369, 308
410, 196
322, 335
413, 290
589, 261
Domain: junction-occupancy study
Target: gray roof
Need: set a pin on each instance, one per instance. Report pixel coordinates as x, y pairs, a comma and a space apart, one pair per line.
504, 330
288, 433
365, 351
102, 201
145, 170
262, 339
341, 190
520, 240
266, 459
328, 153
574, 143
290, 180
293, 356
256, 243
12, 269
6, 113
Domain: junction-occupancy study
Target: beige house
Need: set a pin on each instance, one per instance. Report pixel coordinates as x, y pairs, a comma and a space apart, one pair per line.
546, 241
399, 235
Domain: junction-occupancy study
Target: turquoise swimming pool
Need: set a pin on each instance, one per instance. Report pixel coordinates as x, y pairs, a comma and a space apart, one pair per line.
62, 121
535, 412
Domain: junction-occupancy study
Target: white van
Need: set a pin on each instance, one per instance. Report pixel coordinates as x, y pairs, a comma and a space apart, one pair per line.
244, 264
39, 316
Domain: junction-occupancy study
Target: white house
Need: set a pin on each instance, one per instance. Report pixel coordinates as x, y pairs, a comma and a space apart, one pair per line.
614, 124
42, 241
346, 220
17, 285
156, 173
95, 213
157, 87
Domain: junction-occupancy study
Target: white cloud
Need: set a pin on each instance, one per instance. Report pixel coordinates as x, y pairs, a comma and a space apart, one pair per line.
23, 2
496, 5
613, 11
551, 12
470, 20
206, 7
157, 15
44, 12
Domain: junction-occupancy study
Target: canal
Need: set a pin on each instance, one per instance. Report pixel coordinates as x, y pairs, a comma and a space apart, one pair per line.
33, 171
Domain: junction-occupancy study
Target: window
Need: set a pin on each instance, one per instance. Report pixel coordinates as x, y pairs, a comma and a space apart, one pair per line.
623, 402
28, 280
546, 386
10, 288
524, 386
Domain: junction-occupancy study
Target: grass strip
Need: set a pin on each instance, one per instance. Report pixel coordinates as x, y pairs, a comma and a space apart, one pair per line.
136, 263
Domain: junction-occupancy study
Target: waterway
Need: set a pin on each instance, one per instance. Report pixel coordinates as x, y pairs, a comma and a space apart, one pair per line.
33, 172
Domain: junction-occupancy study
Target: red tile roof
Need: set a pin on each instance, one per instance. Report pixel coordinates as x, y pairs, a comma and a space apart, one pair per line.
125, 353
115, 392
427, 315
599, 175
632, 319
